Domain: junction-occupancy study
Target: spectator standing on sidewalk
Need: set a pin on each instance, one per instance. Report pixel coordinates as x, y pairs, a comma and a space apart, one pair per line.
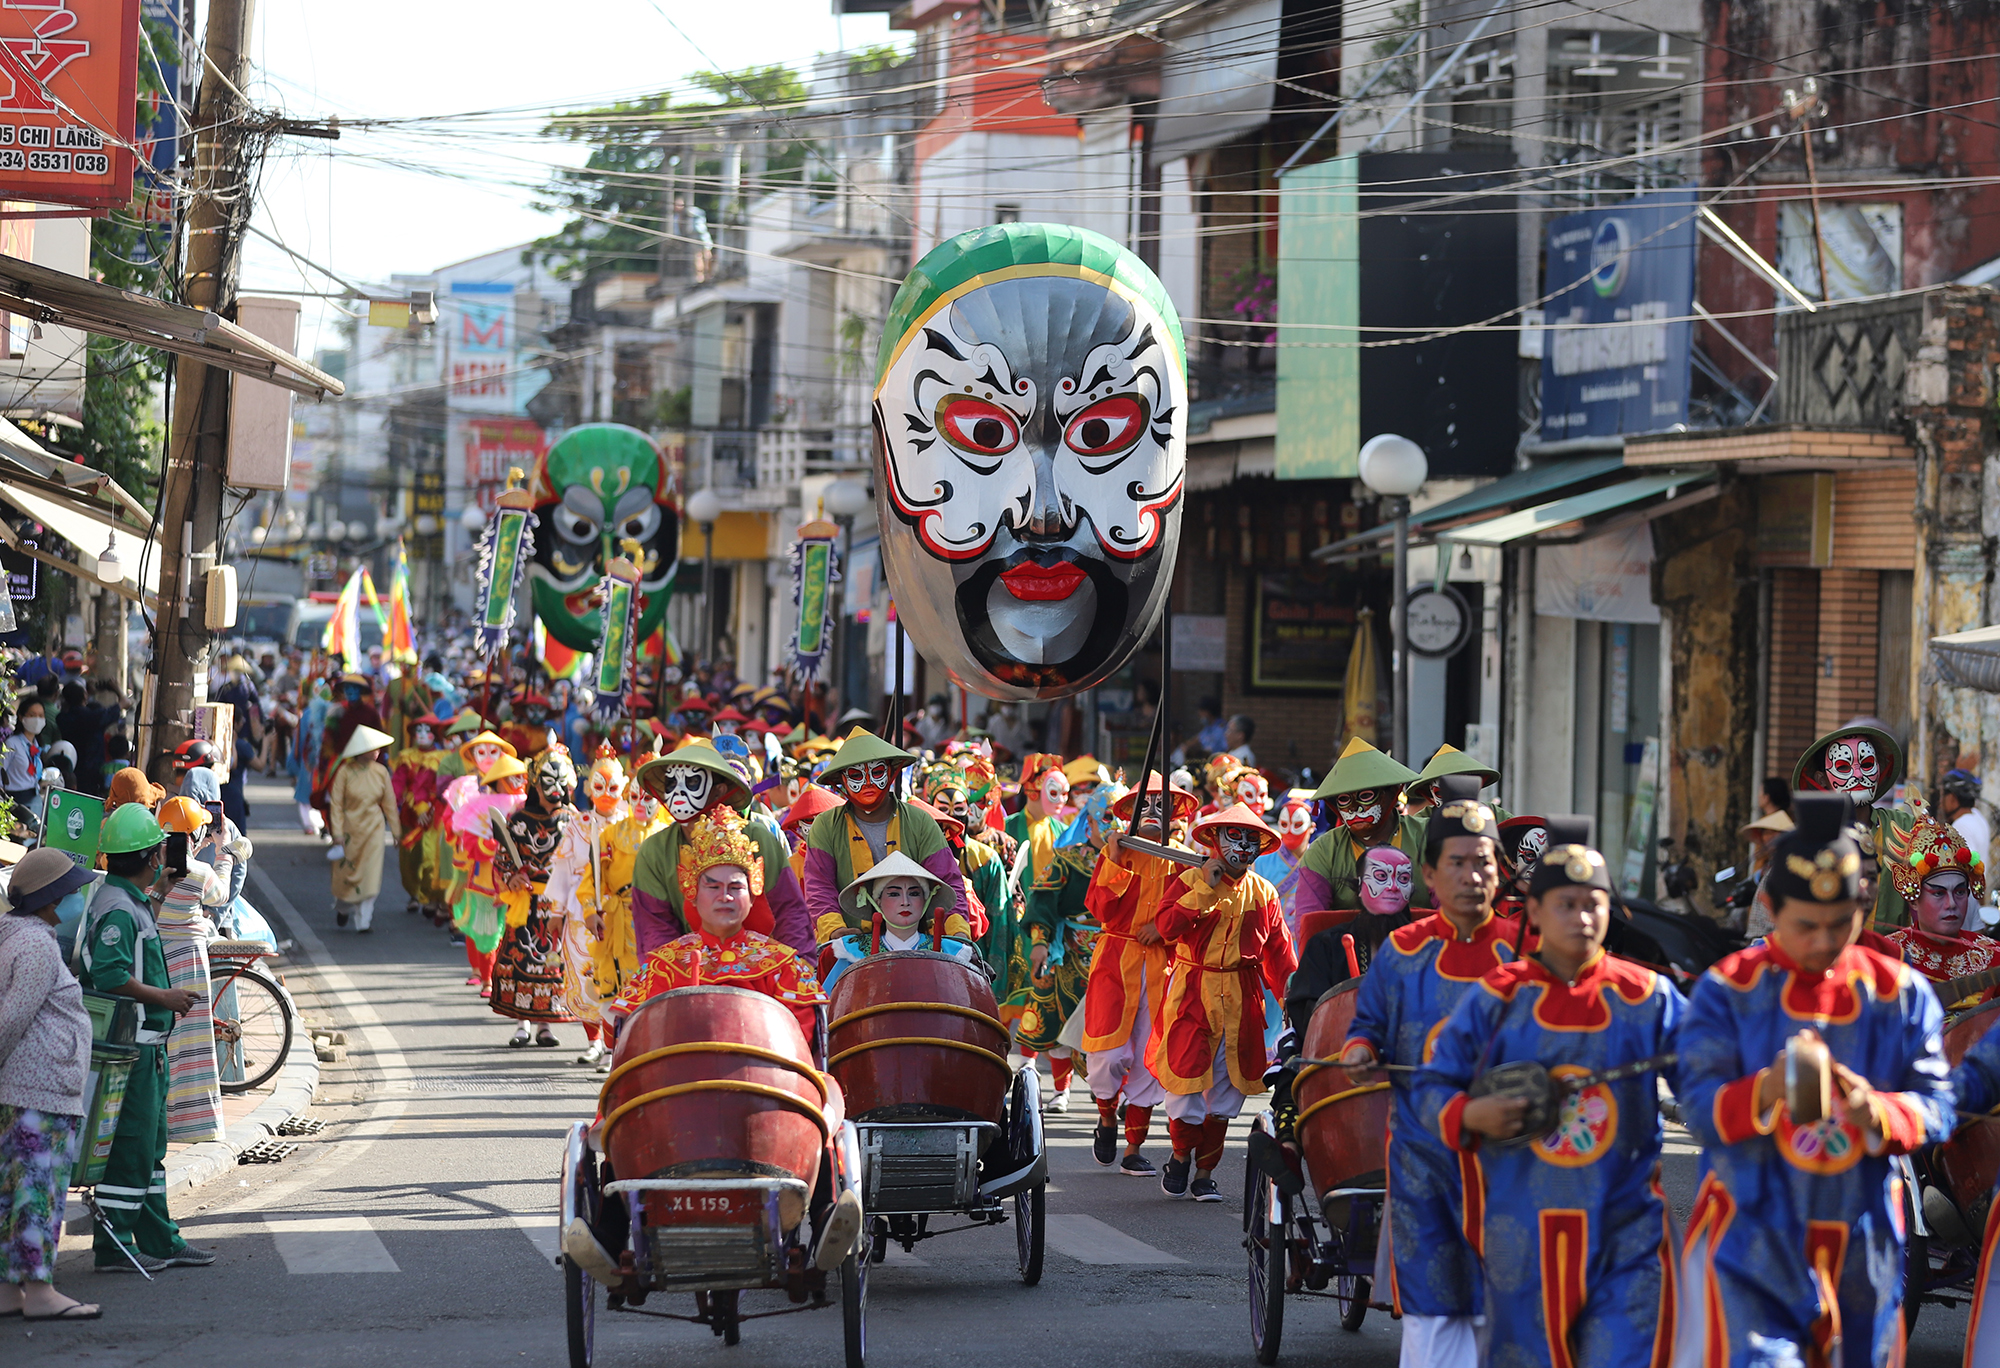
44, 1062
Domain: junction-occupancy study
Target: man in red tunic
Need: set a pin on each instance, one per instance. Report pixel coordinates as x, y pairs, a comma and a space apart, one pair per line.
1941, 879
1230, 943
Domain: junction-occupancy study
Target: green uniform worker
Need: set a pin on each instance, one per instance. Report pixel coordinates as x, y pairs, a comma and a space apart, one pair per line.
119, 949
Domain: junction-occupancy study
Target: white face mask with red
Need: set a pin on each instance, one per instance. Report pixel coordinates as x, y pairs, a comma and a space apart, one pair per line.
1295, 826
1054, 792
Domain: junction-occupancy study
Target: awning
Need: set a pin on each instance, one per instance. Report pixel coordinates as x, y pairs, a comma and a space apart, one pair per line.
1509, 491
1216, 82
88, 529
50, 296
1513, 527
1971, 660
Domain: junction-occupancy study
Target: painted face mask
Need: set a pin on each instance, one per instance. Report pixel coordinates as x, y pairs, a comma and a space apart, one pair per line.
351, 692
1295, 826
1253, 791
1054, 791
484, 754
555, 778
599, 485
422, 737
1528, 854
866, 785
606, 786
535, 714
644, 807
1386, 880
1853, 766
1030, 429
1238, 846
1359, 810
684, 791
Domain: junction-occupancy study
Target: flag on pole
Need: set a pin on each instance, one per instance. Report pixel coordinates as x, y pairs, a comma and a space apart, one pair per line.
343, 630
400, 639
1360, 698
374, 601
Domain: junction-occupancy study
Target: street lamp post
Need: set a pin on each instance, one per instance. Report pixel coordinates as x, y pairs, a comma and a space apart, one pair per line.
1395, 468
705, 507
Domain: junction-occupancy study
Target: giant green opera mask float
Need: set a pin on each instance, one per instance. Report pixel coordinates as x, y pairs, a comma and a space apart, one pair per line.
602, 484
1030, 431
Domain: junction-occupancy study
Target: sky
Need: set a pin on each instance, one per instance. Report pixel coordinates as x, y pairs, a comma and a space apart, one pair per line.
382, 202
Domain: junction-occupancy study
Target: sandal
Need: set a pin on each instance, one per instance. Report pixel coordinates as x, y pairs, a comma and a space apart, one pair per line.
546, 1038
519, 1038
473, 980
75, 1311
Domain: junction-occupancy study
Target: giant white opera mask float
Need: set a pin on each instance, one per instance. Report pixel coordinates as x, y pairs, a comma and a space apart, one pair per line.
1030, 427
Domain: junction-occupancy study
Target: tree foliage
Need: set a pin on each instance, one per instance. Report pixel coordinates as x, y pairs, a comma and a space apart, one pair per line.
616, 200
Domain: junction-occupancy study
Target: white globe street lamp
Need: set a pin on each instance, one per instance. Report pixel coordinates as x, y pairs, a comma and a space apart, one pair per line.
1395, 468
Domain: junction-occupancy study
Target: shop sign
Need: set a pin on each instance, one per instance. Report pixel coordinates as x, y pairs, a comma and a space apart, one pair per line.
71, 823
493, 446
23, 571
1626, 274
1302, 629
484, 350
1200, 641
67, 119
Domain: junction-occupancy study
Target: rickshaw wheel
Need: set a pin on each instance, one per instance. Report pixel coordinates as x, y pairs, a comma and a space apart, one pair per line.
1266, 1246
580, 1302
1030, 1210
1358, 1291
854, 1309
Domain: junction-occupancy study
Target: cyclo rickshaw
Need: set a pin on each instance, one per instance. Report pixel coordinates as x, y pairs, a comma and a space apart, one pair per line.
944, 1126
1322, 1246
717, 1127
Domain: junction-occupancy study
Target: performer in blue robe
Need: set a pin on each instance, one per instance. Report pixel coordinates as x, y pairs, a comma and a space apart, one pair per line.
1411, 987
1976, 1081
1794, 1251
1571, 1225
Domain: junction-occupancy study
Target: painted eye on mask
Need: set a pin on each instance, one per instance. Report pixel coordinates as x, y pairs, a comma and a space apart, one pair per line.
1107, 427
977, 426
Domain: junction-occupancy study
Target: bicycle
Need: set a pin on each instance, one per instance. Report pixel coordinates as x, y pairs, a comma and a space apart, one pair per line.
253, 1052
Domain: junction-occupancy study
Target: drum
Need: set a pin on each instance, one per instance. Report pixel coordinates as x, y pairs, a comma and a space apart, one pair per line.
1343, 1126
917, 1034
715, 1082
1969, 1162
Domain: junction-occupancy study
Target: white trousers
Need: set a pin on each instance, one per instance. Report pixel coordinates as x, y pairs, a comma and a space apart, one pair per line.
1440, 1341
1221, 1098
1122, 1068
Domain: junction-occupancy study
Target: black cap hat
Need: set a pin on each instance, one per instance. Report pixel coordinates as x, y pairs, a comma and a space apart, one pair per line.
1569, 861
1458, 813
1817, 860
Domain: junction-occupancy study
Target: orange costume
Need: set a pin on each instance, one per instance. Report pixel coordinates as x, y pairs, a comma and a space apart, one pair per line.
1230, 943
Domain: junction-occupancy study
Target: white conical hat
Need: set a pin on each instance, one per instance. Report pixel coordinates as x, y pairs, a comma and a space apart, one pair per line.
366, 739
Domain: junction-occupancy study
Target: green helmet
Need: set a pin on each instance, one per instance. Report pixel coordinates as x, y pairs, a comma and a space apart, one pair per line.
130, 829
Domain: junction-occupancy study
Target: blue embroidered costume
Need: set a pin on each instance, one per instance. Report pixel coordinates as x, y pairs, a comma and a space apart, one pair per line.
1796, 1239
1571, 1228
1411, 987
1976, 1081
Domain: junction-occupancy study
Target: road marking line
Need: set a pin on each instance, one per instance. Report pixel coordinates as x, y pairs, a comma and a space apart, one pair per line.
1089, 1240
540, 1228
329, 1244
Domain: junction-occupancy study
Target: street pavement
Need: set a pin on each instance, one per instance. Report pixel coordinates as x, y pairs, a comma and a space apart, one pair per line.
418, 1228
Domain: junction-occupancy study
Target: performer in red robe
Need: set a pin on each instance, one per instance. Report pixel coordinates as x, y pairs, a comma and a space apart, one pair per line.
1941, 879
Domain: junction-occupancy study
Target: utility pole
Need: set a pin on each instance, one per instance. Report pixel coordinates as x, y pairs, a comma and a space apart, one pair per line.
197, 449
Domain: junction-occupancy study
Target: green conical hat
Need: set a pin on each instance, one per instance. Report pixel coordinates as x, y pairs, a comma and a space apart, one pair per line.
1360, 767
702, 756
1452, 760
1004, 251
861, 748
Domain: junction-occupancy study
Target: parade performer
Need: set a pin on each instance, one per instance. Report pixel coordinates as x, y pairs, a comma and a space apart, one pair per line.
118, 948
363, 810
1128, 974
847, 841
806, 805
1865, 763
1364, 787
1794, 1251
1061, 932
720, 877
690, 783
1976, 1085
1386, 878
947, 788
529, 730
1940, 879
528, 966
1569, 1221
1295, 828
419, 852
901, 903
573, 887
1229, 945
607, 886
1421, 795
474, 914
355, 708
1044, 794
1416, 980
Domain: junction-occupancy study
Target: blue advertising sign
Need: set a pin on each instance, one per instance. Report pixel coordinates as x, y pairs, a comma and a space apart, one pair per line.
1630, 267
159, 128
